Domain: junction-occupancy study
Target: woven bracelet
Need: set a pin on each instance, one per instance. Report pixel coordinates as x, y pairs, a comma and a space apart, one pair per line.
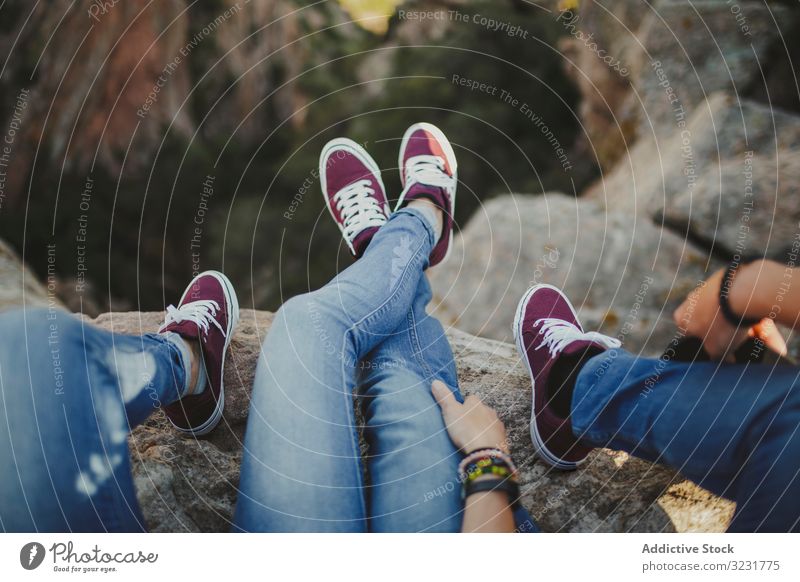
724, 293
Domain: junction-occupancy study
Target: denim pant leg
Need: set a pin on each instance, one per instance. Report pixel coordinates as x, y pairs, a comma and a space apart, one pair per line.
734, 429
301, 468
413, 464
69, 394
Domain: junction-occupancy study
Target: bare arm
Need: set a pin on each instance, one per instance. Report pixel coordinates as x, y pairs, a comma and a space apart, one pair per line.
471, 426
763, 290
766, 289
488, 512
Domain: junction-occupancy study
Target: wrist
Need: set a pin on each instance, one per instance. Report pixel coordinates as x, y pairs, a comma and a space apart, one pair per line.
501, 444
751, 293
500, 495
492, 486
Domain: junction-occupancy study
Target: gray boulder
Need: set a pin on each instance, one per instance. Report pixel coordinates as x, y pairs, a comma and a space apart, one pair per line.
702, 47
743, 206
667, 56
624, 274
19, 286
723, 130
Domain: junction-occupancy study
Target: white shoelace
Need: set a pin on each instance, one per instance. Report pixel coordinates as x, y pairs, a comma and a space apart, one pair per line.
428, 170
359, 208
558, 334
201, 313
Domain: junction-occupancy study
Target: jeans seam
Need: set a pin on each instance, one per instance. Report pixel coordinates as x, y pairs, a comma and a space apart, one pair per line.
355, 446
415, 344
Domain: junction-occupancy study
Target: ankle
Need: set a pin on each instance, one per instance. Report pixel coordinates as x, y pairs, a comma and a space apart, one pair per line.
431, 212
194, 371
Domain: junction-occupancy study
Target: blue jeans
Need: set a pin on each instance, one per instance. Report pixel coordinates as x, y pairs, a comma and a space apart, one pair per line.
733, 429
366, 334
69, 394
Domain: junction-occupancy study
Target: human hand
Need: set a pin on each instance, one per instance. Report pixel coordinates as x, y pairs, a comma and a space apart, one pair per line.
471, 425
700, 316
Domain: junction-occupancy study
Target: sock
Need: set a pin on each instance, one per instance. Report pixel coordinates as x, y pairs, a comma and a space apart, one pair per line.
186, 360
561, 383
430, 216
202, 380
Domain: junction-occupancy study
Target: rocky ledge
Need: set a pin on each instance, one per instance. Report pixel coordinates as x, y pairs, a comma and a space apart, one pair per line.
185, 484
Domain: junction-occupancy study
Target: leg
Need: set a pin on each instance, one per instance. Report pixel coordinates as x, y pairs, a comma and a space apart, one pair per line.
69, 394
301, 466
730, 428
413, 464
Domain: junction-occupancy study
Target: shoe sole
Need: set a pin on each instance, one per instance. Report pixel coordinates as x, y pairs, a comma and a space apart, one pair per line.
232, 306
451, 160
538, 443
364, 157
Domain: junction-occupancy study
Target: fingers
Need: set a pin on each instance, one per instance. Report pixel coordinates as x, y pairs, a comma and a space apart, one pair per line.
768, 332
695, 300
447, 400
444, 396
677, 315
472, 401
722, 344
683, 314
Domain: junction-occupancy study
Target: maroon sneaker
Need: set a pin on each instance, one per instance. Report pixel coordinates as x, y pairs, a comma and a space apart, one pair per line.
353, 190
208, 311
428, 169
546, 329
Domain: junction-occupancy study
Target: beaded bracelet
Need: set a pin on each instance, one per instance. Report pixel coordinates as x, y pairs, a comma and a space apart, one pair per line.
489, 452
487, 466
495, 456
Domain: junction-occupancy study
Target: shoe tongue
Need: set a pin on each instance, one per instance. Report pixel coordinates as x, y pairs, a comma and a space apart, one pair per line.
579, 346
185, 329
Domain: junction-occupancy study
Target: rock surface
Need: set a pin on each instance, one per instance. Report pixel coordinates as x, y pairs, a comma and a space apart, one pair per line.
185, 484
18, 285
702, 47
743, 206
623, 273
674, 137
723, 130
674, 55
191, 485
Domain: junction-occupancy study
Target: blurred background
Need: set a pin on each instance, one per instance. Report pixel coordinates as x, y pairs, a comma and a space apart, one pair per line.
147, 141
148, 99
